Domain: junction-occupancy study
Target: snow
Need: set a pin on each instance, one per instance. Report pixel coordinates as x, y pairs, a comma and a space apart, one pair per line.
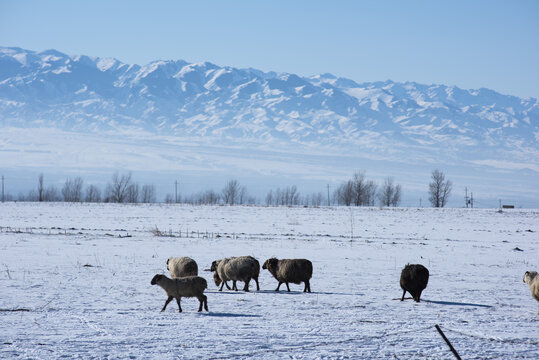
110, 310
105, 64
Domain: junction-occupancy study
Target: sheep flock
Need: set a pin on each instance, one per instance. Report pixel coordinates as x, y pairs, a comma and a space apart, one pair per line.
185, 282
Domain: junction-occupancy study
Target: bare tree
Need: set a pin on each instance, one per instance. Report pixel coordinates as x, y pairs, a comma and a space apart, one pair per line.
117, 190
242, 195
147, 194
294, 195
439, 189
285, 197
169, 199
231, 192
72, 190
93, 194
279, 199
316, 199
389, 194
359, 183
370, 193
51, 194
269, 198
40, 187
211, 197
208, 197
32, 196
132, 193
396, 200
345, 193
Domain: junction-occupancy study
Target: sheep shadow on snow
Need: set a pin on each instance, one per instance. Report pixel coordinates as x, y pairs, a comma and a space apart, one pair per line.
455, 303
299, 292
221, 314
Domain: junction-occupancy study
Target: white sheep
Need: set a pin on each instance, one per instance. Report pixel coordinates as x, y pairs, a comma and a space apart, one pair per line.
242, 268
532, 279
182, 266
188, 286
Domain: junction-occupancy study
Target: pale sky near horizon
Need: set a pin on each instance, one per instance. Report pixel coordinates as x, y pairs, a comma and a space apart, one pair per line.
470, 44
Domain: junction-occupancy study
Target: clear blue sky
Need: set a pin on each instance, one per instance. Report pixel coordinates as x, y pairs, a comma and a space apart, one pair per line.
471, 44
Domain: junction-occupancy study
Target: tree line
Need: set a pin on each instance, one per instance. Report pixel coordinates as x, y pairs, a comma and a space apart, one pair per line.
357, 191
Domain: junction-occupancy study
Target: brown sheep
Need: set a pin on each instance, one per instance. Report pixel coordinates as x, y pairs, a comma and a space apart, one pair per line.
293, 271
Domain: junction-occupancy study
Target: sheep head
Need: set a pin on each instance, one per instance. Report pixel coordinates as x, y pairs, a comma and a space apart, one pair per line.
214, 265
270, 264
156, 279
529, 276
216, 279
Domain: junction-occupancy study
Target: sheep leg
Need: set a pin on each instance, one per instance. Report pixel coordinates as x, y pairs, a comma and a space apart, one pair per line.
307, 286
288, 287
234, 285
278, 286
178, 301
222, 285
404, 292
166, 303
228, 287
257, 286
246, 287
202, 299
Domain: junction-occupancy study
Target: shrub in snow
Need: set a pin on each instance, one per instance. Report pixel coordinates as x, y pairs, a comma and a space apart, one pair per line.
293, 271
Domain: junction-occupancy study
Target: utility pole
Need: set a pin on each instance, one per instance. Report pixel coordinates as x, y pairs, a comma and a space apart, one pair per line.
2, 188
500, 203
466, 197
420, 205
176, 186
471, 199
328, 193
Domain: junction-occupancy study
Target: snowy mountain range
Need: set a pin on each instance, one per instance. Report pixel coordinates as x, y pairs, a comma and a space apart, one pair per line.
406, 122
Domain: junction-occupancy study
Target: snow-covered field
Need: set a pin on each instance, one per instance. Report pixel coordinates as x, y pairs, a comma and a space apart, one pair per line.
83, 273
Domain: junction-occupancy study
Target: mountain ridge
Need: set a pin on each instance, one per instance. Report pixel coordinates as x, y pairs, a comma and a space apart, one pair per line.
204, 99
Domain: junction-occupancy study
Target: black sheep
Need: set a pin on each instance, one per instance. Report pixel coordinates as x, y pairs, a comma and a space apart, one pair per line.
414, 279
293, 271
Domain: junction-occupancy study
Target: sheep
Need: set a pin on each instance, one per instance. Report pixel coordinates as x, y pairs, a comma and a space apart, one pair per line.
188, 286
216, 278
532, 279
243, 268
414, 279
182, 266
290, 271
